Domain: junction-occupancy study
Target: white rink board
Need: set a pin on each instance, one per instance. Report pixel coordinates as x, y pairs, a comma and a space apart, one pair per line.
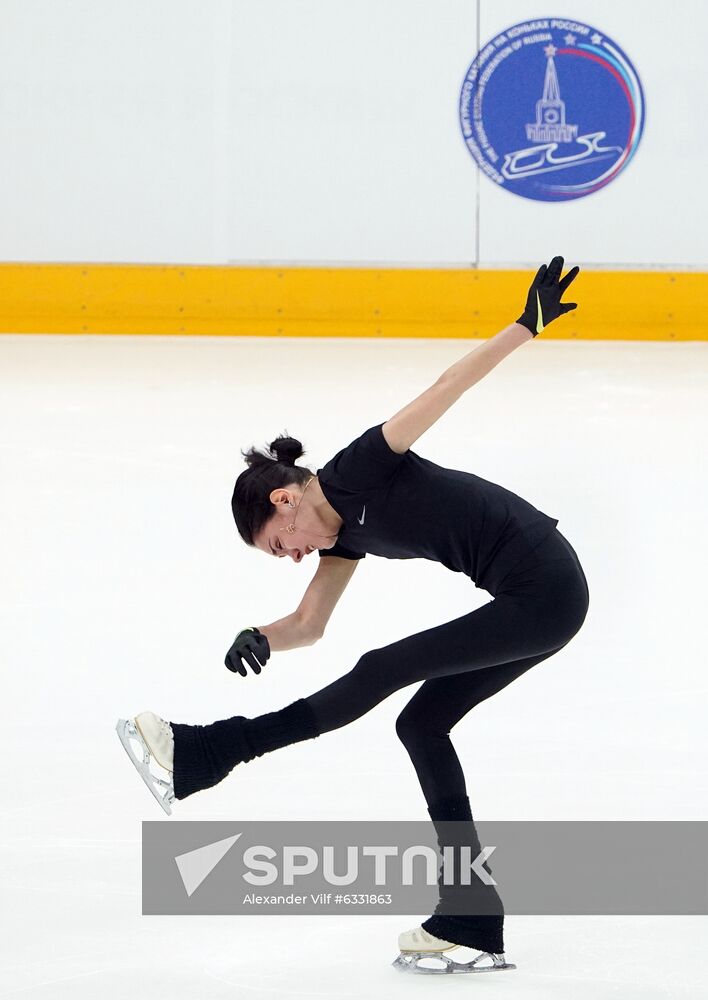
318, 132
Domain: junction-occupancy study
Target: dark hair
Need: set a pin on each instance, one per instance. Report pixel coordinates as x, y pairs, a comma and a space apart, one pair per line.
251, 503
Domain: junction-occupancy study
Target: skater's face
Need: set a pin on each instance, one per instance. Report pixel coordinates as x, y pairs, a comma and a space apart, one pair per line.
311, 531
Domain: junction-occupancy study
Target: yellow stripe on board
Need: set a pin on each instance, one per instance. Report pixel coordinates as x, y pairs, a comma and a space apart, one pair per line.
340, 302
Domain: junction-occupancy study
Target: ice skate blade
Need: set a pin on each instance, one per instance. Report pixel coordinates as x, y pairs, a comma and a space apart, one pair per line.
408, 961
127, 731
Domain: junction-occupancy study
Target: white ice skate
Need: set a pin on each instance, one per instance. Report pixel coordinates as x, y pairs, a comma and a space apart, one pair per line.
417, 946
147, 737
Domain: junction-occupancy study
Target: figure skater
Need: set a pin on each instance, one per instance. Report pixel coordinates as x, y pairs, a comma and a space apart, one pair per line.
378, 497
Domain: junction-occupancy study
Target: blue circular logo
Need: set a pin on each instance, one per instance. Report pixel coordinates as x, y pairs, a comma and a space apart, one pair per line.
552, 109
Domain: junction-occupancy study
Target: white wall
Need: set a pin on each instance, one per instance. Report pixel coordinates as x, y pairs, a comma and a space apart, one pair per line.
317, 131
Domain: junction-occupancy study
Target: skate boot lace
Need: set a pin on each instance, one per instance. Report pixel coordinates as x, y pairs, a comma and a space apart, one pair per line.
165, 729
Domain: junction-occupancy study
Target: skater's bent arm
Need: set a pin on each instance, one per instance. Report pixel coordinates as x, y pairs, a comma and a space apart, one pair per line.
290, 632
326, 587
410, 423
306, 625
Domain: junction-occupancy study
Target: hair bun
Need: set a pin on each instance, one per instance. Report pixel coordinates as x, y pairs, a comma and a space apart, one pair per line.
286, 449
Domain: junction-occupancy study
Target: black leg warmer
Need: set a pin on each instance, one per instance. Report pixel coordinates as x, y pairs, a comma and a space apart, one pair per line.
472, 915
204, 755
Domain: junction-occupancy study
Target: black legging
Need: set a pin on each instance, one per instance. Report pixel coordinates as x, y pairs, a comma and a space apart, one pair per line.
538, 609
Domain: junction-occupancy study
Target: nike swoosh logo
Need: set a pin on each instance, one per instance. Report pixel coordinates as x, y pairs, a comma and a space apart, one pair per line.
363, 515
539, 318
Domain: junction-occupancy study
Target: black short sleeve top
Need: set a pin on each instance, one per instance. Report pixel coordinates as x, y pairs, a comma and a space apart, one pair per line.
406, 507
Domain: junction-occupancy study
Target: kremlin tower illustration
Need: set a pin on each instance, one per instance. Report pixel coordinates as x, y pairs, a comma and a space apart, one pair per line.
550, 123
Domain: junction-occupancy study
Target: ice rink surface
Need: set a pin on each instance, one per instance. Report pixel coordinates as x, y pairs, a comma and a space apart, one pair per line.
125, 582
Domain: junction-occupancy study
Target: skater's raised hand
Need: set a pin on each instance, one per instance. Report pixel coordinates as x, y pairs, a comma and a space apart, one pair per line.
249, 647
544, 299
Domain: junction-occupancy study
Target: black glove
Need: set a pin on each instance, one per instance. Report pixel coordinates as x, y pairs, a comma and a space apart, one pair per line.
543, 303
248, 644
